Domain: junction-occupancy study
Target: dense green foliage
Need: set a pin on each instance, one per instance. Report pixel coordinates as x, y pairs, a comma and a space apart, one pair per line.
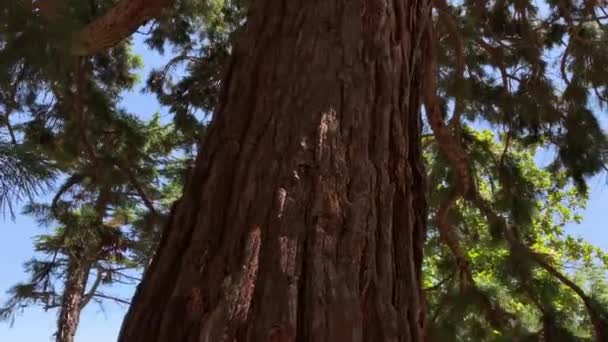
535, 73
543, 203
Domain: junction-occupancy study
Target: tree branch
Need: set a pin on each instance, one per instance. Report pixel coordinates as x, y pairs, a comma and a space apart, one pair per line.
450, 147
440, 282
599, 321
116, 25
106, 31
140, 191
70, 182
87, 297
11, 104
116, 299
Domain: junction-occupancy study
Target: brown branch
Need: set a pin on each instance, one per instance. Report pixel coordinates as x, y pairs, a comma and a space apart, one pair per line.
140, 191
451, 150
150, 29
450, 147
11, 131
106, 31
600, 97
564, 63
497, 55
440, 283
69, 183
175, 60
117, 24
117, 271
573, 29
87, 297
108, 297
603, 11
128, 280
444, 138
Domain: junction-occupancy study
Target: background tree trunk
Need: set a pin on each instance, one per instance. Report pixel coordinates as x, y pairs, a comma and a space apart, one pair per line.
73, 295
304, 217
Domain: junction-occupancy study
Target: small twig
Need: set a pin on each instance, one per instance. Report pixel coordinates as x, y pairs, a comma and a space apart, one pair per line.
505, 150
441, 282
171, 63
87, 297
563, 64
69, 183
152, 27
147, 202
116, 299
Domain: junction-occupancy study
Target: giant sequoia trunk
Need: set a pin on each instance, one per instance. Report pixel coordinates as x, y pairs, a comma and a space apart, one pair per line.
303, 219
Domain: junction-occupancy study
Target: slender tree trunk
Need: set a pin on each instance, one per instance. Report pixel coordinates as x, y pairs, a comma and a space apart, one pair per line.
73, 295
303, 219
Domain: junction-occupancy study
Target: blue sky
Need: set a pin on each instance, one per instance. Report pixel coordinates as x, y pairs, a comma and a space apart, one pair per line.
99, 325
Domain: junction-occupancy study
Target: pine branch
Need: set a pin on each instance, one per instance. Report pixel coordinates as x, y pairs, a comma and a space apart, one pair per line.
22, 175
87, 297
11, 105
140, 191
441, 282
174, 61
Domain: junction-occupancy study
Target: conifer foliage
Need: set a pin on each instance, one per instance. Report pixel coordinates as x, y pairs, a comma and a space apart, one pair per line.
108, 177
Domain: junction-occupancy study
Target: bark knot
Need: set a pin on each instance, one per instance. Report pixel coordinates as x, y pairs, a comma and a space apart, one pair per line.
288, 249
281, 199
241, 293
327, 126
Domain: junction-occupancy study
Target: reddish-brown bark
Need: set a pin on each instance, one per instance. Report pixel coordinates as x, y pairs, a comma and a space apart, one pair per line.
116, 25
304, 217
72, 301
106, 31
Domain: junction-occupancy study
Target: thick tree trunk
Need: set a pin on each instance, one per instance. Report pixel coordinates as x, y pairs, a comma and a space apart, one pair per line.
73, 296
304, 217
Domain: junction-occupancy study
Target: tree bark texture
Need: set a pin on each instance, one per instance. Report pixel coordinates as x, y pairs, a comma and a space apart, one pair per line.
120, 22
304, 217
73, 296
106, 31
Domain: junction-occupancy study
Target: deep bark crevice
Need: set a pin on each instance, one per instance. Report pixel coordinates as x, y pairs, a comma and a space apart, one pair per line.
315, 146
